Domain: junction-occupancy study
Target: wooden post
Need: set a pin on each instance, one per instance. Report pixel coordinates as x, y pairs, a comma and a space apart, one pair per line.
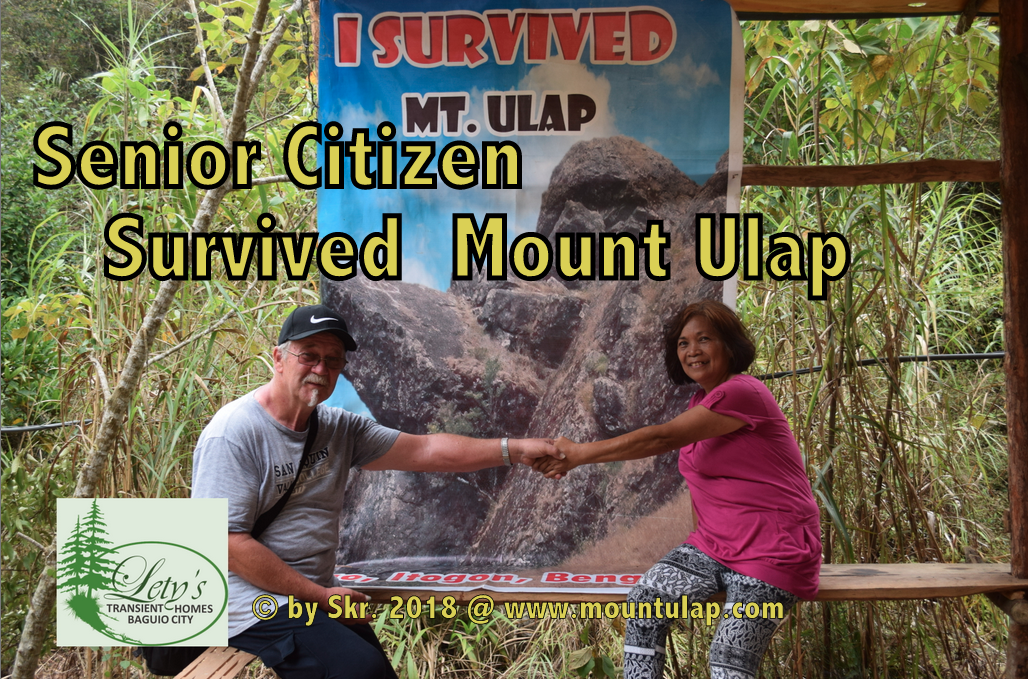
1017, 652
1013, 101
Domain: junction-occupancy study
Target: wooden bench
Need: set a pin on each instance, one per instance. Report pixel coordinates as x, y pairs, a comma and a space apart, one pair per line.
217, 662
839, 582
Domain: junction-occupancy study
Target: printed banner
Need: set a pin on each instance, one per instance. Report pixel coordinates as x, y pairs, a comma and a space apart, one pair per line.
512, 192
142, 572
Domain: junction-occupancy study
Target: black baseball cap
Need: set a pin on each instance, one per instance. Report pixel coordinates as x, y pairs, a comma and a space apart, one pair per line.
310, 320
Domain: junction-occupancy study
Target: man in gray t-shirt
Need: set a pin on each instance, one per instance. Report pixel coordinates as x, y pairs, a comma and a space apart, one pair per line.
250, 453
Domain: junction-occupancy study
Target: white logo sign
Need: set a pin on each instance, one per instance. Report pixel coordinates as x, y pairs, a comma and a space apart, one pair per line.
119, 587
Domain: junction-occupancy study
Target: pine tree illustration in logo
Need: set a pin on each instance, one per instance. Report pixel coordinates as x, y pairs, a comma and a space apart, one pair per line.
99, 568
85, 566
73, 567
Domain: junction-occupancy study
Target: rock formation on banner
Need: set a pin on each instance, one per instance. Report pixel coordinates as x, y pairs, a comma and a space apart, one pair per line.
581, 359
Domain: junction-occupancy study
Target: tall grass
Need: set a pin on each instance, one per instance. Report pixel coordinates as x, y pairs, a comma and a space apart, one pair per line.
907, 460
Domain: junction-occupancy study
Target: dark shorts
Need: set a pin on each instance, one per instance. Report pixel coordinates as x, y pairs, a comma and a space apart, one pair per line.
326, 649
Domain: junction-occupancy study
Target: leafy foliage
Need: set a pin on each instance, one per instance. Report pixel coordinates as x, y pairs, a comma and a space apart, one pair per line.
871, 91
34, 220
591, 660
39, 36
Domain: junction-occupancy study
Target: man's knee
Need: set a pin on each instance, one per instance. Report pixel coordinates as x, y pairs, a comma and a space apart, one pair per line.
352, 658
325, 649
360, 660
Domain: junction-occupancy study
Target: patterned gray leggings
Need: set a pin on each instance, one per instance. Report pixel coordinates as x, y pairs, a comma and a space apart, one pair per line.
738, 644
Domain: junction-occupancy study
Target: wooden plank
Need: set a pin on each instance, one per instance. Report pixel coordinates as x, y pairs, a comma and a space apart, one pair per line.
840, 8
839, 582
217, 662
912, 172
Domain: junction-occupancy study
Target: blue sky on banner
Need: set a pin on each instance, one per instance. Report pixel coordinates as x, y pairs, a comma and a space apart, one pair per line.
679, 106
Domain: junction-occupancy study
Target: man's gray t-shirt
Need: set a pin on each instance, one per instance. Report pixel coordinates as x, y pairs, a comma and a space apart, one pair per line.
247, 456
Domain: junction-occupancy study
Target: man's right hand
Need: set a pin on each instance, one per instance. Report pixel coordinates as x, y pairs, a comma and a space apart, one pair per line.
530, 451
258, 565
347, 605
558, 467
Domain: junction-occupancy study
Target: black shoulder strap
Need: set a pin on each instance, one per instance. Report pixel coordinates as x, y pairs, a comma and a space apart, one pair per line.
265, 519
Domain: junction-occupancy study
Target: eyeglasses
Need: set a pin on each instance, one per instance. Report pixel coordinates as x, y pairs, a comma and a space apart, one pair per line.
330, 362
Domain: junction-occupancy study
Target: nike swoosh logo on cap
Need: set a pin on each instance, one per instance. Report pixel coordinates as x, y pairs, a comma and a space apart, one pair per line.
321, 320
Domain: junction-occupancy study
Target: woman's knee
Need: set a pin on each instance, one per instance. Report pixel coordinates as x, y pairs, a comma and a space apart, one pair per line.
641, 594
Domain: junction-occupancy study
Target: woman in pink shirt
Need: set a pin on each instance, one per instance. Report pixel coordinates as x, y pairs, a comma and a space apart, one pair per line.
758, 535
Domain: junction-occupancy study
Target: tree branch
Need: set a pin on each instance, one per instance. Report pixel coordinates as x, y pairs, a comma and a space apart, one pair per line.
215, 98
102, 376
244, 90
210, 329
274, 179
274, 39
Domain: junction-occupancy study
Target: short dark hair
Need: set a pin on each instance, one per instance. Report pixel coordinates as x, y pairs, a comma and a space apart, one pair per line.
728, 327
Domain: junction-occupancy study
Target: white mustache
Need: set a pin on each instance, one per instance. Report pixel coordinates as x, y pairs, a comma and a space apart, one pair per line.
316, 379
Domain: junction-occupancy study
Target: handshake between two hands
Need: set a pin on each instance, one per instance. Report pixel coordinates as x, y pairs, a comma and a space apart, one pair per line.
552, 457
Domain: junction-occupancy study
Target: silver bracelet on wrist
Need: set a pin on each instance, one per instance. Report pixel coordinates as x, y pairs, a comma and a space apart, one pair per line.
505, 451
